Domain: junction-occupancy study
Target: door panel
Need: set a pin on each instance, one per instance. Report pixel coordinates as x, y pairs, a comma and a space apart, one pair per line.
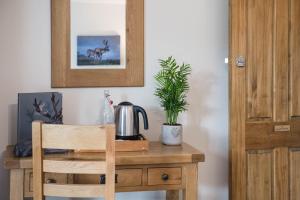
267, 174
295, 174
281, 61
259, 175
265, 100
295, 58
260, 20
281, 174
269, 135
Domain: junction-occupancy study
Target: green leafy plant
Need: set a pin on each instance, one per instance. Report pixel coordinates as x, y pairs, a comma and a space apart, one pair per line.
172, 87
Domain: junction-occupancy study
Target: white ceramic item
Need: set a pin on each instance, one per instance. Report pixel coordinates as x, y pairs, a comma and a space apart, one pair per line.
171, 135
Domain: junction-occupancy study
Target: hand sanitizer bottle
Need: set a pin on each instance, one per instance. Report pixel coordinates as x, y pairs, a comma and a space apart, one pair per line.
108, 112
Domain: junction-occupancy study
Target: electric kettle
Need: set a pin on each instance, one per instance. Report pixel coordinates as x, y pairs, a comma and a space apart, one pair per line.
127, 120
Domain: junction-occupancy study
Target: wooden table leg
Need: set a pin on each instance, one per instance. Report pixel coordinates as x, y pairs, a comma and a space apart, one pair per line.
191, 182
172, 195
16, 184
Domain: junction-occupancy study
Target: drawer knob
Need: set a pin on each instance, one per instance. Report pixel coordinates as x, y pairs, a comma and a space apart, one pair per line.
102, 179
50, 180
165, 177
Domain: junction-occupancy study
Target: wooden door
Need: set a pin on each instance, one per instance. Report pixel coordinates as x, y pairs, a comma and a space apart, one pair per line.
265, 100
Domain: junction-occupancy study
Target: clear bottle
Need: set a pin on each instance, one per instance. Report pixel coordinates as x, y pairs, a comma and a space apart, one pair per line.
108, 112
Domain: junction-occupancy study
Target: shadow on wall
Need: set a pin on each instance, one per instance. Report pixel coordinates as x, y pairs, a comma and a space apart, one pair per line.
208, 98
12, 113
4, 175
156, 118
199, 95
12, 123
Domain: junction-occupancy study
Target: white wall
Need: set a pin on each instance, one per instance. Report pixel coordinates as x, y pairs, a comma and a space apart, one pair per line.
89, 17
193, 31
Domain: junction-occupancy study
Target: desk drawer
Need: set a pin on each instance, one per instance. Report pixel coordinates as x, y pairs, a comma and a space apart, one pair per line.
164, 176
124, 178
129, 177
58, 178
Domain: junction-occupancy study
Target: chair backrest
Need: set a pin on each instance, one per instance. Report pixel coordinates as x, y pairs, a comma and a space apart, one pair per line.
73, 137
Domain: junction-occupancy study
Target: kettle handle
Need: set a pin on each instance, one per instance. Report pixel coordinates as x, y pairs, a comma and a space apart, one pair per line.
143, 112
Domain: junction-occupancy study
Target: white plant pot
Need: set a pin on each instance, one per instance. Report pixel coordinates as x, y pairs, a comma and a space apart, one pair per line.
171, 135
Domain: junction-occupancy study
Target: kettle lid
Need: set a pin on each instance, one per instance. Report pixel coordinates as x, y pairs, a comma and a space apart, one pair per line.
125, 103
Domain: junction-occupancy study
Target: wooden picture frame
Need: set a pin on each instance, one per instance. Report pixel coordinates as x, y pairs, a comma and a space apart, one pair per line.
62, 76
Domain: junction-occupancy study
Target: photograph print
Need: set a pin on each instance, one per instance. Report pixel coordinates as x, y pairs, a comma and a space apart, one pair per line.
45, 106
98, 50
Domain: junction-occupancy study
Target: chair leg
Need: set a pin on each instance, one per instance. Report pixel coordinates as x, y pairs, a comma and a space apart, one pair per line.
16, 184
172, 195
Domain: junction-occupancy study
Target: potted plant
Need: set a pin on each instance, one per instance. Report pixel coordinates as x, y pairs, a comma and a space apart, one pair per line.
172, 87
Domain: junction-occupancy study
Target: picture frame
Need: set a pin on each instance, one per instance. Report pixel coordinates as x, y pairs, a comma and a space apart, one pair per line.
41, 106
64, 76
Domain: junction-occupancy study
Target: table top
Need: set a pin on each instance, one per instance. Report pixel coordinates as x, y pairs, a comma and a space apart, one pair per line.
157, 154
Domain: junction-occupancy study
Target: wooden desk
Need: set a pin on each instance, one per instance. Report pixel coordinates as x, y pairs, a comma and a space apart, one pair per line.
170, 168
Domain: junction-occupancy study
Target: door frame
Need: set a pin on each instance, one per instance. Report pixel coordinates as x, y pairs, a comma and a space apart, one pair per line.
237, 106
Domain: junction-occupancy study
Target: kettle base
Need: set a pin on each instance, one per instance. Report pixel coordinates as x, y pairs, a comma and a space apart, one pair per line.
134, 137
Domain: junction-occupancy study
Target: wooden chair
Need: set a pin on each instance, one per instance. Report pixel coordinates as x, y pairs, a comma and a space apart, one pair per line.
73, 138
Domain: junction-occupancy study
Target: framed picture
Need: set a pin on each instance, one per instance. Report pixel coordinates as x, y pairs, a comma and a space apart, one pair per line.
97, 43
46, 107
98, 51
